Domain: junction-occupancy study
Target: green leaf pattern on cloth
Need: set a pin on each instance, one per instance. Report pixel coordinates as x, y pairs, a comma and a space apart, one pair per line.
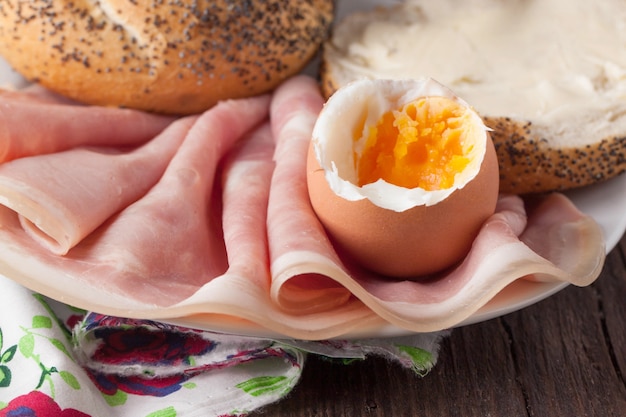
422, 359
5, 358
265, 384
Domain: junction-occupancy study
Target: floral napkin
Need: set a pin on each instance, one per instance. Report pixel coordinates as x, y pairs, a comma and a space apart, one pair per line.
59, 361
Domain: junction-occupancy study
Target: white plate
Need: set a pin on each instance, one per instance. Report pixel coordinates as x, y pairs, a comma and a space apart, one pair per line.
605, 202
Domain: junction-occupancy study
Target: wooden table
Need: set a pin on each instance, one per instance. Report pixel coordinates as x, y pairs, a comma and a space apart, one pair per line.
564, 356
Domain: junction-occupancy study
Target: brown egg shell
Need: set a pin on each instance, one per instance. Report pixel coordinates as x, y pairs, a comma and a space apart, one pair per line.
410, 244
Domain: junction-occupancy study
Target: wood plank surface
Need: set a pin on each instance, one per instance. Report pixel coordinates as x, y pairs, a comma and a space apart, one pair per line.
564, 356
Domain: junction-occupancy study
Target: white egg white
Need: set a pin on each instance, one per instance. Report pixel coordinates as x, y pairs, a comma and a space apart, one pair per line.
359, 106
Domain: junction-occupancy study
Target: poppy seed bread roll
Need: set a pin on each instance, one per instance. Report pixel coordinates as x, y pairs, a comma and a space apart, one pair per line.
176, 57
546, 76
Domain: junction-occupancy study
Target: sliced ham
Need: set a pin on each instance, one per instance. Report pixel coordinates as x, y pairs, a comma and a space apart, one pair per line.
62, 197
162, 247
243, 292
295, 235
227, 238
34, 123
246, 183
169, 243
558, 231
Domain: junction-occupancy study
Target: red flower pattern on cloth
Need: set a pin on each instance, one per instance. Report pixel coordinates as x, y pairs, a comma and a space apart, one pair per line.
37, 404
144, 345
136, 342
109, 384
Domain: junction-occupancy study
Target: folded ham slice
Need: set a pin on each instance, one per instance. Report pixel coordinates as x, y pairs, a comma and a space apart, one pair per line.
37, 122
226, 238
164, 246
62, 197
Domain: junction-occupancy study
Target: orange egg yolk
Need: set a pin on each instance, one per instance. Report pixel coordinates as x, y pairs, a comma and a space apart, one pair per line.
423, 145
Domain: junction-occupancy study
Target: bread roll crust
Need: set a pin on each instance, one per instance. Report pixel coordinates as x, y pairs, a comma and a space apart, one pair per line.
530, 164
176, 57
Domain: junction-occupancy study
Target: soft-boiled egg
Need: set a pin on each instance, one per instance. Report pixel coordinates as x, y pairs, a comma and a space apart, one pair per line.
402, 174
